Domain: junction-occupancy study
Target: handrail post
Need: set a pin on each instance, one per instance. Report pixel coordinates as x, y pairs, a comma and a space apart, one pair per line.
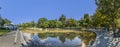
16, 36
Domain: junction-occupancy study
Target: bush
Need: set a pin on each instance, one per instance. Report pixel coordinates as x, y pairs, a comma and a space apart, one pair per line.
3, 31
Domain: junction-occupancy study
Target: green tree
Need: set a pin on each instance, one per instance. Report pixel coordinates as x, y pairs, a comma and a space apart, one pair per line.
110, 9
100, 20
24, 25
33, 24
45, 24
118, 23
72, 23
86, 21
28, 24
52, 23
41, 22
59, 24
63, 19
1, 22
6, 21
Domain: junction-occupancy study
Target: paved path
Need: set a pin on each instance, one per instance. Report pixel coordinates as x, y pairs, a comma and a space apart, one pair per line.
8, 39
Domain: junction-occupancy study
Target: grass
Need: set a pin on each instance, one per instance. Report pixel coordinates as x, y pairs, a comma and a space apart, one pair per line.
49, 30
3, 31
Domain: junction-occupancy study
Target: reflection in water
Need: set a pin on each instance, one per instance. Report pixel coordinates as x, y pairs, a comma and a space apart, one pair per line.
56, 40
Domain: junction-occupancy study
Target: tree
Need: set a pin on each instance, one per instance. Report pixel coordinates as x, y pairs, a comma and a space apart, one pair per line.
100, 20
28, 24
6, 21
110, 9
45, 24
32, 23
24, 25
59, 24
41, 22
72, 23
63, 20
86, 21
118, 23
52, 23
1, 22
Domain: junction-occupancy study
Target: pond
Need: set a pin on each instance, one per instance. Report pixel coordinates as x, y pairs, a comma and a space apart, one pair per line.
53, 39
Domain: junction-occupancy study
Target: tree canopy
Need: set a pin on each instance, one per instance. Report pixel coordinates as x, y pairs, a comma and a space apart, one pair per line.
4, 21
1, 21
110, 9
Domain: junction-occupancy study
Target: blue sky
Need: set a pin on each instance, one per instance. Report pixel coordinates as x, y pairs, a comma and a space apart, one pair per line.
19, 11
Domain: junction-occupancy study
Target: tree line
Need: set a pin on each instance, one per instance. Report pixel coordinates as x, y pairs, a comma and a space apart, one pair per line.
57, 23
94, 21
107, 15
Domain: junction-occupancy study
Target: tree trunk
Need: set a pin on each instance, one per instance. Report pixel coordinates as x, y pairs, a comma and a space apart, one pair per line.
114, 28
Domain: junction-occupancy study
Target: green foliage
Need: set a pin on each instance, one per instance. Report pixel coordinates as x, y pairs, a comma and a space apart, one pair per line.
52, 23
72, 23
110, 9
28, 24
32, 23
86, 21
118, 23
45, 24
3, 31
59, 24
100, 20
41, 22
6, 21
63, 20
1, 22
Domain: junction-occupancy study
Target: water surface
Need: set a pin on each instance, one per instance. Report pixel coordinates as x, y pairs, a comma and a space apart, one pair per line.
60, 39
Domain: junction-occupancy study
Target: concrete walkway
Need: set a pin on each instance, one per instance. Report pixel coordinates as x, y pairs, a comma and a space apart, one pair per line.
8, 39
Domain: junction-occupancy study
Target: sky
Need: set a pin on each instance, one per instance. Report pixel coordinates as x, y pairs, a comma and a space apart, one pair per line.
19, 11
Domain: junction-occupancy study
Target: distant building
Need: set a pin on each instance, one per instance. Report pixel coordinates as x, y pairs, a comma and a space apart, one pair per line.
10, 26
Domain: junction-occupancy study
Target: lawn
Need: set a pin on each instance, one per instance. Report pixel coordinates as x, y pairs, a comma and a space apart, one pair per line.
3, 31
